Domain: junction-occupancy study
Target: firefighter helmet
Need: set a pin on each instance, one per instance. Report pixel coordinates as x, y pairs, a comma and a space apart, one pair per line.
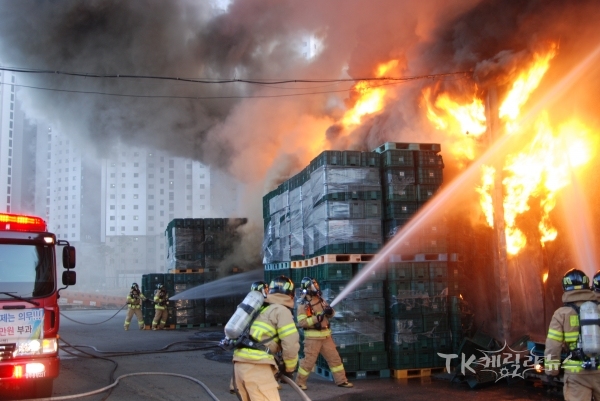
260, 286
135, 287
575, 279
281, 285
310, 286
596, 282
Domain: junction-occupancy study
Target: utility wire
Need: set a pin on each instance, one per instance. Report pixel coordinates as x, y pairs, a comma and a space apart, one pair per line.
197, 97
382, 81
223, 81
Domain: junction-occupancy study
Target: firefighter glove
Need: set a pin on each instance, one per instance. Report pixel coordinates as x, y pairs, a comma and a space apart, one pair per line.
328, 311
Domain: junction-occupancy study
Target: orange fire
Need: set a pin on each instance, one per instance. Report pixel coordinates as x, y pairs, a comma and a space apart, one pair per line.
370, 96
539, 171
465, 122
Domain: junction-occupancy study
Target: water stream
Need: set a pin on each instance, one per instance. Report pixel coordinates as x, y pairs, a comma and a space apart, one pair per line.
231, 285
465, 183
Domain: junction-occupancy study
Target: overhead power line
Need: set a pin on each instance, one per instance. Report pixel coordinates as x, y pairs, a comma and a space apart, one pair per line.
378, 82
225, 81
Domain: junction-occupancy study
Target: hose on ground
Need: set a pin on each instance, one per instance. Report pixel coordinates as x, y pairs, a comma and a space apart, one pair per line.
301, 392
110, 386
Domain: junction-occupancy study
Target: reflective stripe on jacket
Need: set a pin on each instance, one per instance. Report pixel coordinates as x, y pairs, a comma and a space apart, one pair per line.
277, 322
308, 322
158, 299
133, 302
564, 329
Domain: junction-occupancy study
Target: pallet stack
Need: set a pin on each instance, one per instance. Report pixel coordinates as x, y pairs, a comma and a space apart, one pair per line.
195, 244
343, 203
331, 207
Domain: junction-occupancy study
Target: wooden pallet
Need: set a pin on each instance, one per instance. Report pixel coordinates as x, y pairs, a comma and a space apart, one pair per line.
419, 372
167, 327
332, 258
179, 271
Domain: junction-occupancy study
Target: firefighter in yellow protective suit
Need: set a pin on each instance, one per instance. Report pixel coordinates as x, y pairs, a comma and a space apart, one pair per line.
161, 300
581, 378
134, 304
273, 331
313, 316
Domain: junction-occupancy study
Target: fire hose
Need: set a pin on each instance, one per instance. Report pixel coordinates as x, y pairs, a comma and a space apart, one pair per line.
302, 394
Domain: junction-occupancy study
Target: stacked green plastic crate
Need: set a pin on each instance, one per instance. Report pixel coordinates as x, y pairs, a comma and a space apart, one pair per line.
333, 206
417, 283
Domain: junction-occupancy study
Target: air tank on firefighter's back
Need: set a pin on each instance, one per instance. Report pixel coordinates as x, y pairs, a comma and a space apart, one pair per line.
590, 329
243, 314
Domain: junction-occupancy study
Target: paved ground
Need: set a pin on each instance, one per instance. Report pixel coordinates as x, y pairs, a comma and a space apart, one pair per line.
111, 352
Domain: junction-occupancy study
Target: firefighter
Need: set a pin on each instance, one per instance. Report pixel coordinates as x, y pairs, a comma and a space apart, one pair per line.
273, 331
596, 284
313, 316
134, 304
581, 380
263, 288
161, 300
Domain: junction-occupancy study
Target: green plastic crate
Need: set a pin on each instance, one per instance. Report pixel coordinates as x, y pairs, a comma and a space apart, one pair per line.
376, 360
402, 359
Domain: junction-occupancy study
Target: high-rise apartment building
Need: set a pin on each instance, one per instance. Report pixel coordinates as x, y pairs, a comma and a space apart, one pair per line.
17, 150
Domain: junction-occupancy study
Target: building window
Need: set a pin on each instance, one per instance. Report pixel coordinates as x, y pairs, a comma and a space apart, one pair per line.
122, 217
122, 228
135, 228
201, 186
201, 207
135, 196
112, 217
135, 185
135, 175
112, 207
171, 195
112, 229
136, 218
135, 207
150, 207
171, 175
201, 196
123, 175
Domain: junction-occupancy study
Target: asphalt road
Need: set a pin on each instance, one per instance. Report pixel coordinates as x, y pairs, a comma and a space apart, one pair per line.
96, 350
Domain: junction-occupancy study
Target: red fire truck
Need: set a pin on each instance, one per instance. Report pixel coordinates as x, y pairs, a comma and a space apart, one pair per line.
29, 313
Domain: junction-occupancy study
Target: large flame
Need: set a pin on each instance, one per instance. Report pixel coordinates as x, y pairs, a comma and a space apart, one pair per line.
535, 174
464, 122
370, 96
